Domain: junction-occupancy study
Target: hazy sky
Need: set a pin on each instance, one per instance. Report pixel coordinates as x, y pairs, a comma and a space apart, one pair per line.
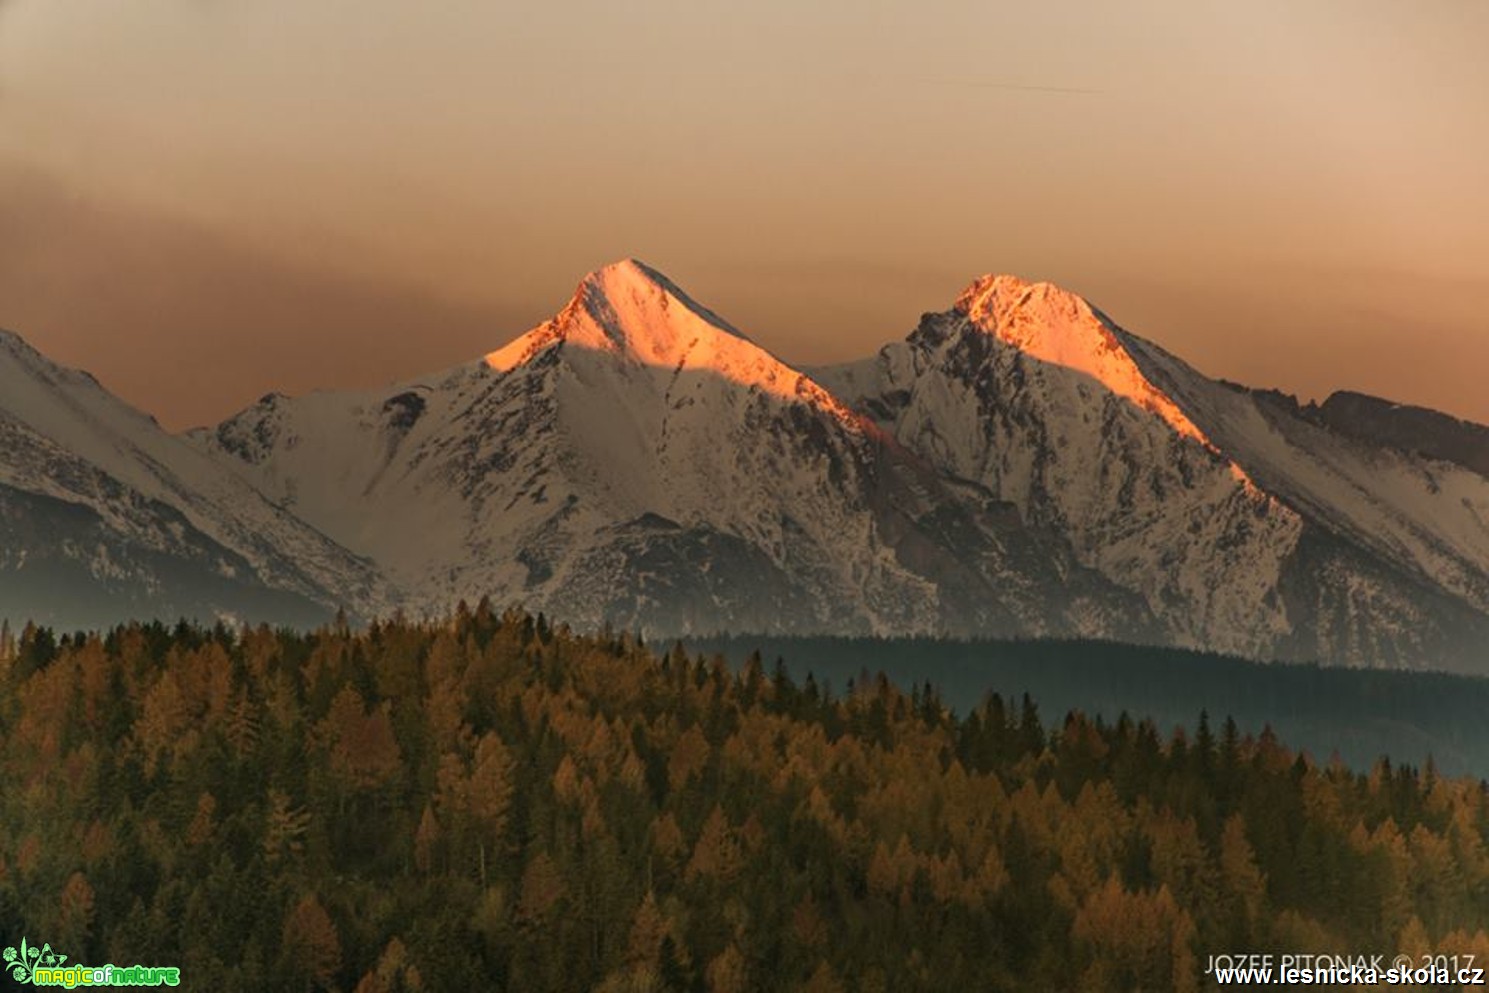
203, 200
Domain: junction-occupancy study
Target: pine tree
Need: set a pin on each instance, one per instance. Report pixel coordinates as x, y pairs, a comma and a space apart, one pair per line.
1242, 878
426, 840
489, 795
75, 914
716, 855
1031, 731
727, 973
311, 946
648, 928
541, 889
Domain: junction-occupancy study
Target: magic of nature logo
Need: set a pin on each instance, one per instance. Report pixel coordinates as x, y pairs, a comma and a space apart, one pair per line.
30, 965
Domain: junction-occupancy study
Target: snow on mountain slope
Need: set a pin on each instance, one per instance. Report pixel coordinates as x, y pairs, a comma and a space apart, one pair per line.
142, 516
1025, 389
650, 379
634, 459
1018, 465
1047, 323
1428, 517
1246, 527
638, 460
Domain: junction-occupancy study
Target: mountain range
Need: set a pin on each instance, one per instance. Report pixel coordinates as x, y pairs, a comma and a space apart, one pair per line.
1017, 466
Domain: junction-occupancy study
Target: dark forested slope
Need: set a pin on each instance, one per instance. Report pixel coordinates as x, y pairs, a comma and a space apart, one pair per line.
1358, 714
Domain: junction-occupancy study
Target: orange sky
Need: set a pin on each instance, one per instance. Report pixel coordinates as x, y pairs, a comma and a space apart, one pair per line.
202, 202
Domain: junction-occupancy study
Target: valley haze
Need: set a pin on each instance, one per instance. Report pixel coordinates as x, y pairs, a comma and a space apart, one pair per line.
1018, 465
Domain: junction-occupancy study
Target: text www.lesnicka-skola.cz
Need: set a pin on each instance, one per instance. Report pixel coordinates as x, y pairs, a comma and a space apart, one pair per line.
1345, 970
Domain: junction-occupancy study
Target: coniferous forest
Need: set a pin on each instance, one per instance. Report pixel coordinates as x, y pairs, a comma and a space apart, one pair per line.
493, 803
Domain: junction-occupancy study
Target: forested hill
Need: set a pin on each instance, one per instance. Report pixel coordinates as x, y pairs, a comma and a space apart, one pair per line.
1360, 714
487, 803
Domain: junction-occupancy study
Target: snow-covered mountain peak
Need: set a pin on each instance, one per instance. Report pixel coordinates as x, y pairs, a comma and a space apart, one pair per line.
633, 313
626, 307
1057, 326
1019, 465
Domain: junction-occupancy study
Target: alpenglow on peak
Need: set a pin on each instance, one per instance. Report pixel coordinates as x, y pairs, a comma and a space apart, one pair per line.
630, 313
627, 307
1054, 325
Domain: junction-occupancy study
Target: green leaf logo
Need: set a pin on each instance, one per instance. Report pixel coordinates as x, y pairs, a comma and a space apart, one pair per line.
22, 962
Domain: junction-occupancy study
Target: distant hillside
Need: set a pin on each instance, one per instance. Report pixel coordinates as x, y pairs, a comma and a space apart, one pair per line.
1361, 714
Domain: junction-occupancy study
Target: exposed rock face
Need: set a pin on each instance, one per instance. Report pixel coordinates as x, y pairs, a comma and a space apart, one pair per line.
1411, 429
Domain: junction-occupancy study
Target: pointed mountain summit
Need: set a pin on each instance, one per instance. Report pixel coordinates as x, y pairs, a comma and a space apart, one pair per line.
1018, 464
1245, 524
632, 312
638, 460
1059, 327
626, 307
1028, 391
